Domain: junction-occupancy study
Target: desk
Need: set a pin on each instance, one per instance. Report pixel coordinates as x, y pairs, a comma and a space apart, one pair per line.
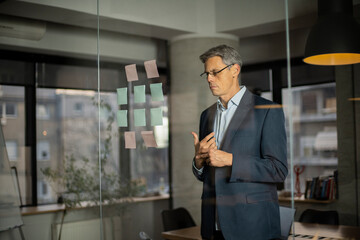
301, 229
191, 233
330, 231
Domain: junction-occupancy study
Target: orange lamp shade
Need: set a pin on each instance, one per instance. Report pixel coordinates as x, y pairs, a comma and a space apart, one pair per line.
330, 59
335, 38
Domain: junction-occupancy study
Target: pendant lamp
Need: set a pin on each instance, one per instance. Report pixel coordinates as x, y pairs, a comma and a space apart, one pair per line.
335, 38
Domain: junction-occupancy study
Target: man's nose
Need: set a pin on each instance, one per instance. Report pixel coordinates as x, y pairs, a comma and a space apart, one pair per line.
210, 78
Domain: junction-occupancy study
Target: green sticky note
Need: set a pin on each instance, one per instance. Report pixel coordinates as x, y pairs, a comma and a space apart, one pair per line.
139, 117
156, 92
139, 94
156, 116
121, 95
122, 118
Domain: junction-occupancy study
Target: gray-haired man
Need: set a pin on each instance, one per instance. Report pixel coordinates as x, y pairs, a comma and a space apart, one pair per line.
240, 155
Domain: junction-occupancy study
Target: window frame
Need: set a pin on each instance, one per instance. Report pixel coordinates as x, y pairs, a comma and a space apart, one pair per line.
30, 100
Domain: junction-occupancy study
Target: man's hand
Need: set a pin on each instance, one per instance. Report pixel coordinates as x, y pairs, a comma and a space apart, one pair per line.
218, 158
202, 148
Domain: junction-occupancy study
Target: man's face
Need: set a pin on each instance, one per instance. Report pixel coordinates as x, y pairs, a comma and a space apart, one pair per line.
225, 83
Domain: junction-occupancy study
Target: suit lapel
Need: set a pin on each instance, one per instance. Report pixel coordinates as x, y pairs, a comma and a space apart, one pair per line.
211, 117
245, 106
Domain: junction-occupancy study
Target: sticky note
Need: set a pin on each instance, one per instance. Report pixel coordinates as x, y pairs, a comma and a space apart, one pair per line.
151, 69
156, 116
121, 95
156, 92
122, 118
149, 139
139, 117
131, 73
139, 94
130, 140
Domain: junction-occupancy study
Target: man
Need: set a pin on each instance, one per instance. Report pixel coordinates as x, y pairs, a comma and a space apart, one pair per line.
240, 155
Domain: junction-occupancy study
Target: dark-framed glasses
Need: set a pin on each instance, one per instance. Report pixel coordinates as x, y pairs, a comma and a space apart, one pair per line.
214, 73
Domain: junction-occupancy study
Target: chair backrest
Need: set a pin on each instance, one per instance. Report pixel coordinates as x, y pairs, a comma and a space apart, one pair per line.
321, 217
286, 220
176, 219
144, 236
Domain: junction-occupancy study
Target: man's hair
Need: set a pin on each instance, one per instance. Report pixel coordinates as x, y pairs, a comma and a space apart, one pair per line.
228, 55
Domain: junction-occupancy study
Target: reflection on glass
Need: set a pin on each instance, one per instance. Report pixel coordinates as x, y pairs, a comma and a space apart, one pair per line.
150, 165
315, 132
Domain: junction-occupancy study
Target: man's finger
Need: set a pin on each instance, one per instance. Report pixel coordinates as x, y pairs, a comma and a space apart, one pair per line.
209, 143
213, 145
208, 137
196, 138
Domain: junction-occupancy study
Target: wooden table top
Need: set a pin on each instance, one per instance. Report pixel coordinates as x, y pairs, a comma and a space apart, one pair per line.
330, 231
301, 230
191, 233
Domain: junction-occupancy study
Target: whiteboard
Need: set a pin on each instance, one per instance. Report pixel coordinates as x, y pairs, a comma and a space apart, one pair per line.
10, 216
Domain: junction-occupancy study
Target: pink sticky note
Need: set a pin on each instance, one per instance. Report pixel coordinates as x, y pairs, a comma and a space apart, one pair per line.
131, 73
151, 69
149, 138
130, 140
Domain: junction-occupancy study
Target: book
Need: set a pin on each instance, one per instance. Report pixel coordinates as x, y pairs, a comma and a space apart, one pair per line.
307, 188
313, 187
323, 189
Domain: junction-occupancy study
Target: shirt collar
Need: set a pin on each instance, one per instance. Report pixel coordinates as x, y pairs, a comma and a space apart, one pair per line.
235, 100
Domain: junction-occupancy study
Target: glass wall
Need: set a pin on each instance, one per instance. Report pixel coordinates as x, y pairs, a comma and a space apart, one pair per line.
98, 102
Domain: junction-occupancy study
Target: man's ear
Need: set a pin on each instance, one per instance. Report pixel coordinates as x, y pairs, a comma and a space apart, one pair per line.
236, 69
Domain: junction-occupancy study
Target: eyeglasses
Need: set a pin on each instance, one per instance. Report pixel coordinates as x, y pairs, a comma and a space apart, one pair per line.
213, 74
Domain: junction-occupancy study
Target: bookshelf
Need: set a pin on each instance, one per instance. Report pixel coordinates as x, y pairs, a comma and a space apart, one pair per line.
314, 133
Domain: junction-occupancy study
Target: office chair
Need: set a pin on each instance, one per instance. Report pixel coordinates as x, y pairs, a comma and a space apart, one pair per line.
321, 217
176, 218
286, 220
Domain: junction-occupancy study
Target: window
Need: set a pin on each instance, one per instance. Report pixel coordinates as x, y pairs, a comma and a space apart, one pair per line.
12, 150
44, 191
78, 108
11, 110
14, 132
150, 165
42, 111
43, 150
8, 110
67, 114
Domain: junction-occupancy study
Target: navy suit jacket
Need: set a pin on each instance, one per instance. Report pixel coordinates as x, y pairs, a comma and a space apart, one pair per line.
245, 194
